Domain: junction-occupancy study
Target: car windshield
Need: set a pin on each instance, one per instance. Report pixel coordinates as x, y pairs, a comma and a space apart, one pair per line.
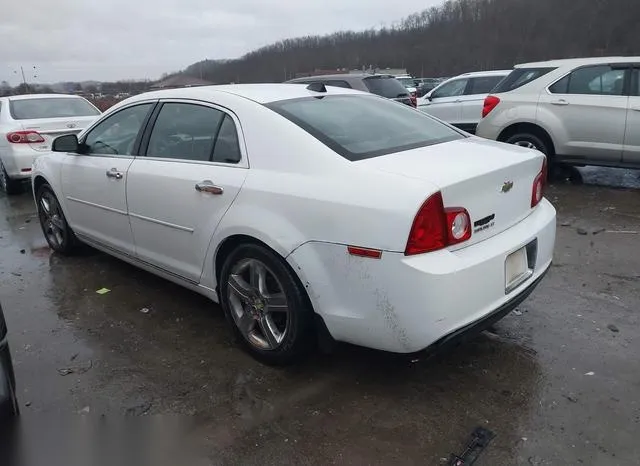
54, 107
385, 86
361, 127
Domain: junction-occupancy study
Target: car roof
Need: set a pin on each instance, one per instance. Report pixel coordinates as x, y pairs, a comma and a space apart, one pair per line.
479, 74
40, 96
572, 62
260, 93
343, 77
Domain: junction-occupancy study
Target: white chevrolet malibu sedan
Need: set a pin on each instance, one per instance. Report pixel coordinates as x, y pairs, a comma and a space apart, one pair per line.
306, 211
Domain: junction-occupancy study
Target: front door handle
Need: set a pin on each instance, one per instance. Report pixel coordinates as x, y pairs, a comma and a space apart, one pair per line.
114, 173
635, 109
559, 102
207, 186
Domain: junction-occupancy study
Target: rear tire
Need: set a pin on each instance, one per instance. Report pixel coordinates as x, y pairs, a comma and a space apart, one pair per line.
266, 306
9, 186
55, 228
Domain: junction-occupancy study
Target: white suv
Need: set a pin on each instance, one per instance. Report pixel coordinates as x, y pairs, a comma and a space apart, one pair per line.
576, 111
459, 100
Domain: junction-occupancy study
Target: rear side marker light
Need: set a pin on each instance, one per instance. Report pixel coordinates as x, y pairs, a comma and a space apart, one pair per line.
25, 170
364, 252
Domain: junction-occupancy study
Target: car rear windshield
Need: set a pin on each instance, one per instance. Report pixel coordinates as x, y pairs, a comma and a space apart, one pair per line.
362, 127
55, 107
385, 86
519, 77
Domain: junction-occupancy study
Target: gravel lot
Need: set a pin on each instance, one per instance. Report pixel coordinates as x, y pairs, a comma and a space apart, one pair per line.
558, 381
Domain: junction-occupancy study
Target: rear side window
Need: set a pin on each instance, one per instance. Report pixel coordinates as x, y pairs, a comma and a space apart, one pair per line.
361, 127
592, 80
519, 77
385, 86
483, 85
55, 107
635, 86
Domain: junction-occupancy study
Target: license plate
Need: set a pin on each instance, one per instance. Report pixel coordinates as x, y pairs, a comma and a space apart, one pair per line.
516, 269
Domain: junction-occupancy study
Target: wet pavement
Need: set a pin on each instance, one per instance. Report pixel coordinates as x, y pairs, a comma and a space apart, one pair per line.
558, 382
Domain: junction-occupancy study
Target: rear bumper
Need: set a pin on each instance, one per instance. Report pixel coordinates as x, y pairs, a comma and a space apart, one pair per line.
406, 304
18, 160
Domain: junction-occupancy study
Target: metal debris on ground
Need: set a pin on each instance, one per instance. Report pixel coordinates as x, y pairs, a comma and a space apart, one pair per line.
75, 370
613, 328
480, 439
590, 373
103, 291
145, 310
597, 231
582, 231
517, 312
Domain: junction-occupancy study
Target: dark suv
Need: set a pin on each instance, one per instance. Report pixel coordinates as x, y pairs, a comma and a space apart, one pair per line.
8, 403
383, 85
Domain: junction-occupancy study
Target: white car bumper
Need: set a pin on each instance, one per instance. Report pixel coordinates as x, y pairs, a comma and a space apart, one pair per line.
406, 304
18, 159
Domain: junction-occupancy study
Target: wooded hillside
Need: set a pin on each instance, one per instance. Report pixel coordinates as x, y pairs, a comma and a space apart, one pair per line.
459, 36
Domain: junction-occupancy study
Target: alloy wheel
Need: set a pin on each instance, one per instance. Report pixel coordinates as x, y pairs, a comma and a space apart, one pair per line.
258, 304
527, 144
52, 220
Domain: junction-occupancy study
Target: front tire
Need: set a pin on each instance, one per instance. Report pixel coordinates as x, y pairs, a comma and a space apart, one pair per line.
266, 306
9, 186
55, 228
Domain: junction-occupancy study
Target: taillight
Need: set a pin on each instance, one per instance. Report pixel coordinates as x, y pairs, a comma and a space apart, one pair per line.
24, 137
490, 102
537, 190
414, 99
436, 227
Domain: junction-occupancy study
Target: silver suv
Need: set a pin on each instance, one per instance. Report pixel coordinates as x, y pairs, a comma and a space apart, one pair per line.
576, 111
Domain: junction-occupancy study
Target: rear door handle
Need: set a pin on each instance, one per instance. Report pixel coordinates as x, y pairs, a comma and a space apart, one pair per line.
207, 186
114, 173
559, 102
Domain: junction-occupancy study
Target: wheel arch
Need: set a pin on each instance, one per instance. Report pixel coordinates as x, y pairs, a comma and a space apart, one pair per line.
527, 127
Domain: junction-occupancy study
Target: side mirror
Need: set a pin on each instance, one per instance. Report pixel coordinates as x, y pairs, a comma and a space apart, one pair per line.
66, 143
429, 97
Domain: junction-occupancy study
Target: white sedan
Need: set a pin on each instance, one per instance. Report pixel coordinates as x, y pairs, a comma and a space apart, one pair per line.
304, 210
28, 125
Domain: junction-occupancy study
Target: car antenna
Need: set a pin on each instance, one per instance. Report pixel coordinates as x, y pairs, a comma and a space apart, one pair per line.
317, 87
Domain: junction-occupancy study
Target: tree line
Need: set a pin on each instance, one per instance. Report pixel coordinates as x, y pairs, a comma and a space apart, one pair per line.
456, 37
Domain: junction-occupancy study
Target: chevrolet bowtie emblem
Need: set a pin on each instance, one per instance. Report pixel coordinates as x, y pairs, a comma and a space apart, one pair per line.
506, 187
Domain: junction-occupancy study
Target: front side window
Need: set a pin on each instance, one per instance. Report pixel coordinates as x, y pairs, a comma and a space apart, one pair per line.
51, 107
361, 127
194, 132
592, 80
116, 135
450, 89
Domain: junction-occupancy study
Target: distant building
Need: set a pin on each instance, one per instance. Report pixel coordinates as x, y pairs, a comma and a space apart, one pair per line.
180, 80
391, 71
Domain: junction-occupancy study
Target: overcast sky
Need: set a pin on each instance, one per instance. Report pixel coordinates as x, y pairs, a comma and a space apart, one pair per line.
79, 40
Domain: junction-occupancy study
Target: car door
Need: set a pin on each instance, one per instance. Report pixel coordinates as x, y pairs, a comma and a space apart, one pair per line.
589, 109
194, 166
444, 101
631, 152
473, 100
94, 180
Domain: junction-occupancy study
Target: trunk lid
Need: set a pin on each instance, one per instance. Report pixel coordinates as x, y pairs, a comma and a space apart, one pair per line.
493, 181
51, 128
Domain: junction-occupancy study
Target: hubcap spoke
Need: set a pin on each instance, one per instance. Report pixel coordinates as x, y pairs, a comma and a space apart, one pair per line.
246, 323
258, 278
269, 331
241, 288
277, 303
